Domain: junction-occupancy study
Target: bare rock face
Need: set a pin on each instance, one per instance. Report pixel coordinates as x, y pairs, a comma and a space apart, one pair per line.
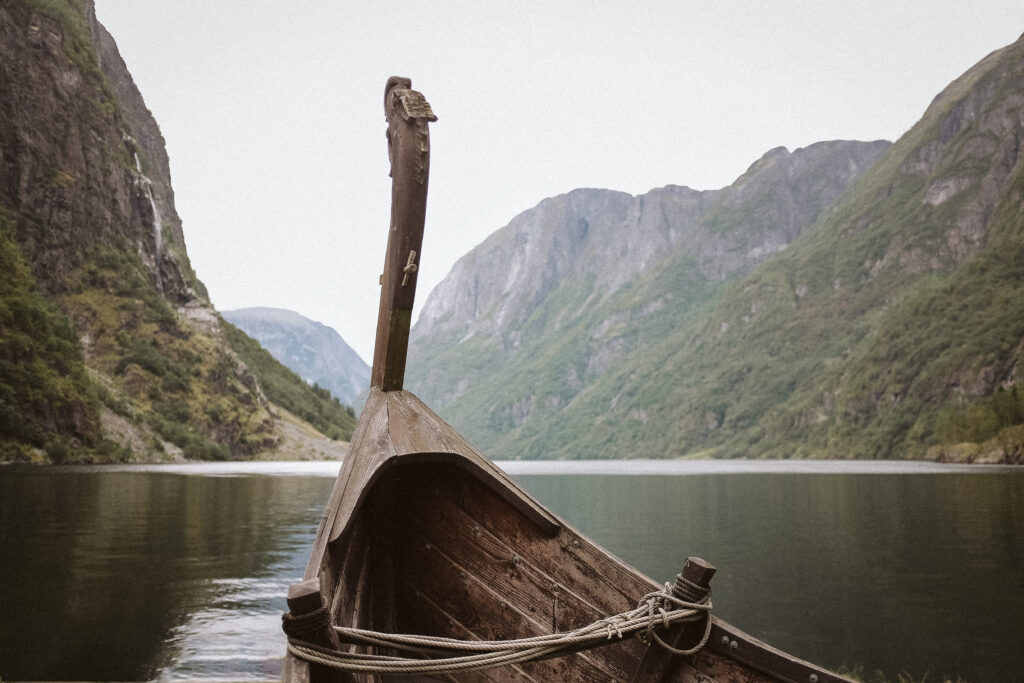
608, 238
69, 142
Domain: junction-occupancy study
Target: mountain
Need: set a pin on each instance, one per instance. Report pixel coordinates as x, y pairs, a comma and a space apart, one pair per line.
555, 305
844, 300
316, 352
109, 346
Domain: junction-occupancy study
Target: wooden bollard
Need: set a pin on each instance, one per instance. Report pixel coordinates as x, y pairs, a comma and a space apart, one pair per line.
681, 636
304, 601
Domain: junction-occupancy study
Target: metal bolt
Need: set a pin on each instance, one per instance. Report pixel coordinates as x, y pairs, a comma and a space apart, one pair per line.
814, 678
733, 645
725, 640
516, 559
575, 543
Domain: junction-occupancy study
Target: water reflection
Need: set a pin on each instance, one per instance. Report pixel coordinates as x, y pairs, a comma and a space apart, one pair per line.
898, 573
116, 575
180, 573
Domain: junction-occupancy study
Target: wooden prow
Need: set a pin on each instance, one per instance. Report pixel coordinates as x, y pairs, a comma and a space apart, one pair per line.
407, 113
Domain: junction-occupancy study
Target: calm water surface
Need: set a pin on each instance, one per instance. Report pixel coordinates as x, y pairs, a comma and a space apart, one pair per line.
179, 572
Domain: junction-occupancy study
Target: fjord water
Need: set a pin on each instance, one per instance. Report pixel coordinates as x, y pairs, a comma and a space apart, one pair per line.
180, 572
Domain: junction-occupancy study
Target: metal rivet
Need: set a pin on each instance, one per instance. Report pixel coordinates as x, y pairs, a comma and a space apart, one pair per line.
733, 645
814, 678
463, 574
575, 543
516, 559
725, 640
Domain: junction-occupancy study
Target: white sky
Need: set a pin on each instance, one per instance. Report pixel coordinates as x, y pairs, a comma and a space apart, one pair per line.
273, 114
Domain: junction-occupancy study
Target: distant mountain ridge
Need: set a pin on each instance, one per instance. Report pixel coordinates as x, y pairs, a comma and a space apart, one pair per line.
313, 350
844, 300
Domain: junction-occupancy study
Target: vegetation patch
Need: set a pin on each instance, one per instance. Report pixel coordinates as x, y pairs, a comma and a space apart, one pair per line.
285, 388
46, 398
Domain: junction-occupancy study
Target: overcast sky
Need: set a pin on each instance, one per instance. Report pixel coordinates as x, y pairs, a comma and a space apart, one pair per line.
273, 114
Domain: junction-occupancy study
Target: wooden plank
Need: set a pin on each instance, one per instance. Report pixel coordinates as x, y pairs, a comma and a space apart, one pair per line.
370, 451
728, 642
422, 615
489, 614
523, 583
366, 447
434, 514
574, 560
415, 430
434, 435
710, 668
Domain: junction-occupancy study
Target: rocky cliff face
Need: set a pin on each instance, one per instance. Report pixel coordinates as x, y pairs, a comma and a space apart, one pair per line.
609, 238
74, 124
111, 349
316, 352
597, 262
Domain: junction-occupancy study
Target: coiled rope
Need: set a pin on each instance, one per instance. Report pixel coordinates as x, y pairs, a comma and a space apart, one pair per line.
656, 610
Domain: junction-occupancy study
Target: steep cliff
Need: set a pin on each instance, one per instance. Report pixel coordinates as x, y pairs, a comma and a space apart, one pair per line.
569, 292
821, 306
123, 355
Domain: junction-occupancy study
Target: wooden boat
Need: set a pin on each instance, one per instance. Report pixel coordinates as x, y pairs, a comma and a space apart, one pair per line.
423, 535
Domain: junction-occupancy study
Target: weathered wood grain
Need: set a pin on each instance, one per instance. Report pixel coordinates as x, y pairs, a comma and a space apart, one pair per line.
409, 151
522, 576
516, 586
434, 435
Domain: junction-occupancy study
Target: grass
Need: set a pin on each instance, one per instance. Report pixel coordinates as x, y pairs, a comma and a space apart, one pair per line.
285, 388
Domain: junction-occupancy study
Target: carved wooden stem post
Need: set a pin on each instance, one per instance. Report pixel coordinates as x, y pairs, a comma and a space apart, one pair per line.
407, 113
682, 636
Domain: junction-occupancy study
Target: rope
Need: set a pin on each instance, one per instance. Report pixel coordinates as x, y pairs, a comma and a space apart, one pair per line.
410, 267
656, 610
305, 625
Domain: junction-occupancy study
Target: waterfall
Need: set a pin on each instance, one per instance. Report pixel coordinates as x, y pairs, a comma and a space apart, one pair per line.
158, 236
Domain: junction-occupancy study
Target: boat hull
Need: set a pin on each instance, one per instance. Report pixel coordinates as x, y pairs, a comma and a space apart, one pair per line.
425, 536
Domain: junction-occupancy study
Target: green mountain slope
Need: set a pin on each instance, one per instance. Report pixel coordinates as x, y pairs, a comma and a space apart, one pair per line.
892, 326
110, 349
533, 344
314, 351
